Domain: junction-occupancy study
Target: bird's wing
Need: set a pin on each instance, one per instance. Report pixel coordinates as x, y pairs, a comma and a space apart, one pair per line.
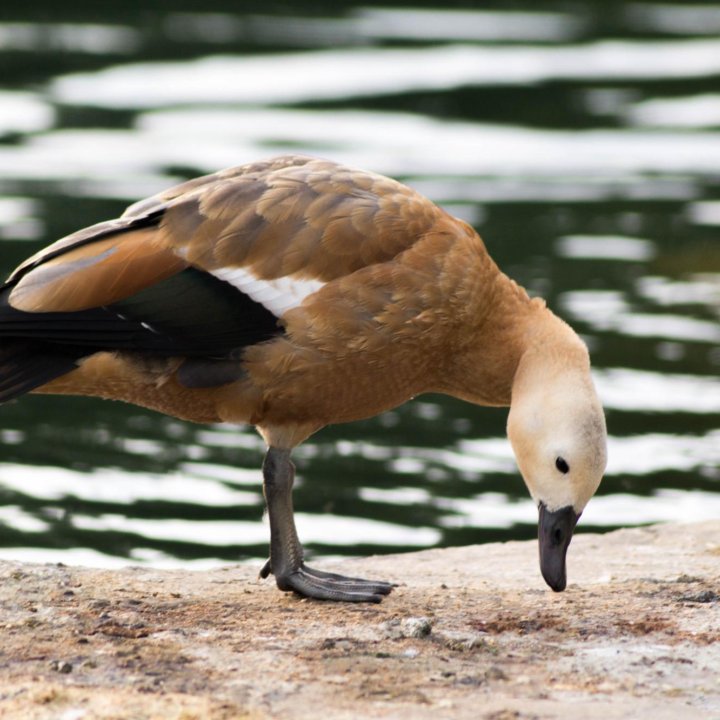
211, 266
276, 231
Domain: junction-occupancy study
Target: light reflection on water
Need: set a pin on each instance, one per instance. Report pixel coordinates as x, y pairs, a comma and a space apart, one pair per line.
699, 111
627, 389
586, 158
208, 139
90, 38
346, 73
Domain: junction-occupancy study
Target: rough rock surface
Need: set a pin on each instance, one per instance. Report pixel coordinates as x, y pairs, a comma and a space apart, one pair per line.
469, 633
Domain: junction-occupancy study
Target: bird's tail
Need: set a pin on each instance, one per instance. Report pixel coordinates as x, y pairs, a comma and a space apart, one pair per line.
27, 364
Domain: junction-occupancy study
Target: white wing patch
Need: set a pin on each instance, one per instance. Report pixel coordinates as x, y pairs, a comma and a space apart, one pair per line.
277, 295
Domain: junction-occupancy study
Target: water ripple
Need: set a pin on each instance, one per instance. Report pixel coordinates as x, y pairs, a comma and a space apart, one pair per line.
357, 72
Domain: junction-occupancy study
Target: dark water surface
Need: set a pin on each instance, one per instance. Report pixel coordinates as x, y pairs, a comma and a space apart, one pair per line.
582, 139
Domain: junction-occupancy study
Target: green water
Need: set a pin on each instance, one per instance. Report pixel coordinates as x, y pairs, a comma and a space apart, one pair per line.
581, 139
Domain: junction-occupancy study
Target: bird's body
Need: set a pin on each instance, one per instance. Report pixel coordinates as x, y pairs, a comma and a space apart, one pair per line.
289, 294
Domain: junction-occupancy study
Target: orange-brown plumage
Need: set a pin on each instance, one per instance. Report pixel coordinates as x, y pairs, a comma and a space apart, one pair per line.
288, 294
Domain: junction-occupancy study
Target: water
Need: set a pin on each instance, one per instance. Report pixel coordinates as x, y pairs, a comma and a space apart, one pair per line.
582, 140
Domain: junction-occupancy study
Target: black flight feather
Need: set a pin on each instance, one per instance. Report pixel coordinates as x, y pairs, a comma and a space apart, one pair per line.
190, 314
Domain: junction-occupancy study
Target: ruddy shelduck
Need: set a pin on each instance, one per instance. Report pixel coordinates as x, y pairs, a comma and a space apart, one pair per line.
295, 293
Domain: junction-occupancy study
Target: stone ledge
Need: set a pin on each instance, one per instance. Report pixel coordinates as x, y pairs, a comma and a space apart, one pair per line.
469, 633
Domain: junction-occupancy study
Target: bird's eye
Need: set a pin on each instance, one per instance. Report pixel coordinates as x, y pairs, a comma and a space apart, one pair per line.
561, 465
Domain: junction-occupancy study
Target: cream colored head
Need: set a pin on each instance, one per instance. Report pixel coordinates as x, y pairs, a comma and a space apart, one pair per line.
557, 429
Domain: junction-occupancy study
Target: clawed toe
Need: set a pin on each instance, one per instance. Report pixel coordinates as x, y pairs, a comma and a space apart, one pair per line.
320, 585
329, 586
378, 586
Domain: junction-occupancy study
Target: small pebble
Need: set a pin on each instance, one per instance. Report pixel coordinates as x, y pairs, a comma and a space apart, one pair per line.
706, 596
417, 627
471, 680
495, 673
61, 666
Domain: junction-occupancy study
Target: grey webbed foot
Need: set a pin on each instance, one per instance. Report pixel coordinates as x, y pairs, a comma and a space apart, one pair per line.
320, 585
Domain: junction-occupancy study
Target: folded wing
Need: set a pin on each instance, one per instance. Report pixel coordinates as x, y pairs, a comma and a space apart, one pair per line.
201, 271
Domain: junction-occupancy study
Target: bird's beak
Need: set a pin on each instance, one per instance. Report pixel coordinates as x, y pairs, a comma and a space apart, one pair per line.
555, 530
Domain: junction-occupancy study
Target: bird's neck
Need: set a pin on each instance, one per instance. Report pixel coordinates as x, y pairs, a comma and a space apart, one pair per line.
505, 330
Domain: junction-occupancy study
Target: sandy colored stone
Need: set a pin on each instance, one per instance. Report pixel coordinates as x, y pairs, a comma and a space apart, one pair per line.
469, 633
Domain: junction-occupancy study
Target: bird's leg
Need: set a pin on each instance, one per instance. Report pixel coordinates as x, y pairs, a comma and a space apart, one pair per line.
286, 553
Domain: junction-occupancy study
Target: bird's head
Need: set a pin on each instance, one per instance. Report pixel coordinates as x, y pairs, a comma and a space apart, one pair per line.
557, 430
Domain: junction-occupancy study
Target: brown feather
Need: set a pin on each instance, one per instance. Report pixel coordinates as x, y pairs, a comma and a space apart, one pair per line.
96, 274
307, 217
